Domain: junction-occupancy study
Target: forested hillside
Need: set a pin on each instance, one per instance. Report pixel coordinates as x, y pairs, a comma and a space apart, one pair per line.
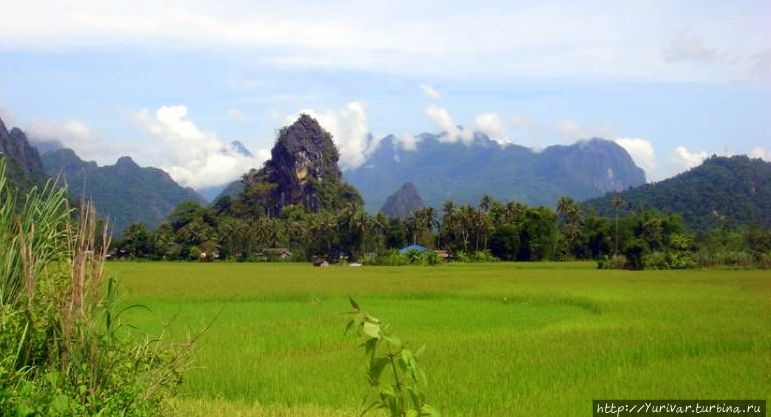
723, 190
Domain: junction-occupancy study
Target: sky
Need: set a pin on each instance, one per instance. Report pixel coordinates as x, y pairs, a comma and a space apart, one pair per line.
173, 83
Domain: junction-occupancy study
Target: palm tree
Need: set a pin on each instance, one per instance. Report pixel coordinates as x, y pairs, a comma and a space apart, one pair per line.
617, 203
465, 224
512, 212
486, 202
570, 210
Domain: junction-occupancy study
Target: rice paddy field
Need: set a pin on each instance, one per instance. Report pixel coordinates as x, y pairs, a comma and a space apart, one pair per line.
503, 339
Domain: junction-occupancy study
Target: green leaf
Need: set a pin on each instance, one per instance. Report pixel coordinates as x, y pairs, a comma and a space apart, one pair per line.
428, 411
354, 304
350, 324
420, 351
376, 369
394, 341
371, 330
59, 403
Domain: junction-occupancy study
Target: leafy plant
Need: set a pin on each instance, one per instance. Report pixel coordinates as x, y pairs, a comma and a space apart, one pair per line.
397, 384
63, 349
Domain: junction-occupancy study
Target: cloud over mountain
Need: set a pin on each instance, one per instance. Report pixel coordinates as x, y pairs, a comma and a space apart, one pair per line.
191, 156
349, 129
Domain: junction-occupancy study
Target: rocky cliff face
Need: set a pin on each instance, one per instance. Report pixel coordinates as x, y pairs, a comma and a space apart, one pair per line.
403, 202
23, 162
302, 171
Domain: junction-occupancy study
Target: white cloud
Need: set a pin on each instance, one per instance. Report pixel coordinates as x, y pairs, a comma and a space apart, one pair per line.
491, 125
520, 122
687, 159
761, 153
451, 132
8, 117
430, 92
77, 136
761, 66
570, 129
641, 152
193, 157
401, 36
349, 130
687, 47
407, 142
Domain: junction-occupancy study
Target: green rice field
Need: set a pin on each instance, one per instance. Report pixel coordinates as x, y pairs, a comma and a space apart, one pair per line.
502, 339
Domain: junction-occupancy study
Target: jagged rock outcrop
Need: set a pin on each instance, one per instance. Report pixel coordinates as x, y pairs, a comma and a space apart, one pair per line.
24, 167
403, 202
302, 171
124, 192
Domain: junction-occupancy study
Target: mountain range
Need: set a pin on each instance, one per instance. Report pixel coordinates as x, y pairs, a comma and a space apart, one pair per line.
125, 192
723, 190
734, 191
464, 172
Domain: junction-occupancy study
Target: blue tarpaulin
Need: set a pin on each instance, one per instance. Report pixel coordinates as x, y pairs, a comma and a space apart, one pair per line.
413, 248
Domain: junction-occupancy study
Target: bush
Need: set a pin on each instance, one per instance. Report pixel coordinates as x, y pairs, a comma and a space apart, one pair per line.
393, 258
504, 243
63, 350
461, 256
483, 256
635, 252
612, 262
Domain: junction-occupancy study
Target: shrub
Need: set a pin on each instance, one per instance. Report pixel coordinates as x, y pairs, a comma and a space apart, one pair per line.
483, 256
63, 349
393, 258
612, 262
461, 256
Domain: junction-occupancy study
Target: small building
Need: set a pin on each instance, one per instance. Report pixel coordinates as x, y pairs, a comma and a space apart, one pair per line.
413, 248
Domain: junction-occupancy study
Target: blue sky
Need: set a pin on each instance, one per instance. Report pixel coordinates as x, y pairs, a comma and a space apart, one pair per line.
172, 84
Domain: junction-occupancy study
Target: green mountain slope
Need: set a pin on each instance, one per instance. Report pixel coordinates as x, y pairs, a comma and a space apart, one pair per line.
125, 191
736, 190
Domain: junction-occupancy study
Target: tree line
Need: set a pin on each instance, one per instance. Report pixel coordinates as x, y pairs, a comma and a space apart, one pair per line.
232, 229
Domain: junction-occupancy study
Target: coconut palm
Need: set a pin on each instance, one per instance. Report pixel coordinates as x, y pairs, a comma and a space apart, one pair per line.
617, 203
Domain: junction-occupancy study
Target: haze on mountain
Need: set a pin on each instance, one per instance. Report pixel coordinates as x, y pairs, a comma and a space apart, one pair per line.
464, 172
403, 202
125, 192
722, 191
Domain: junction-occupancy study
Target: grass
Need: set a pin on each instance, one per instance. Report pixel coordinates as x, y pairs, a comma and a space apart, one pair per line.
502, 339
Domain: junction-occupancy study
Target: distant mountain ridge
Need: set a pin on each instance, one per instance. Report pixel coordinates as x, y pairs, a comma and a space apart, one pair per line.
464, 173
733, 190
125, 192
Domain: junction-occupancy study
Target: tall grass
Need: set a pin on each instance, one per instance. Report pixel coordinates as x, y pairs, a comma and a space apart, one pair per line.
63, 349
